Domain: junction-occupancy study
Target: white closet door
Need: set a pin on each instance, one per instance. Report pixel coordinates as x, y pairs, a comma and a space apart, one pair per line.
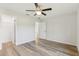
42, 30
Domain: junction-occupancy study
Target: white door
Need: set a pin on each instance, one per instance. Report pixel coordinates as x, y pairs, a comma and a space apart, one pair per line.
42, 30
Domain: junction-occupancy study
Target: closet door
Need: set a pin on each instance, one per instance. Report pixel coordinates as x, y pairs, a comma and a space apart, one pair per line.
42, 30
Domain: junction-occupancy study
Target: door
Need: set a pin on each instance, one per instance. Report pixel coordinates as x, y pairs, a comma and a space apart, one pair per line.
42, 30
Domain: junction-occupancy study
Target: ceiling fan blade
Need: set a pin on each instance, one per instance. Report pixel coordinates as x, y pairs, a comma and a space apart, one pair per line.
29, 10
47, 9
43, 13
36, 4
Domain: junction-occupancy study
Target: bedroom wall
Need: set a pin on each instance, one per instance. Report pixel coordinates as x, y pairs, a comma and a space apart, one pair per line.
24, 27
0, 32
6, 27
78, 30
62, 28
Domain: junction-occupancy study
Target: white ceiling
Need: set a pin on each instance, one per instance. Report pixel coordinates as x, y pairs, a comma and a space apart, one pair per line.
58, 8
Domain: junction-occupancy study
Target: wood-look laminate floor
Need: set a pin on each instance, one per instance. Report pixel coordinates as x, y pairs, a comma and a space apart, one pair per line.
44, 48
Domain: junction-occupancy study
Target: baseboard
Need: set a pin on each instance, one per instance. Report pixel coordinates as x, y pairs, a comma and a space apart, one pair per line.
61, 43
22, 42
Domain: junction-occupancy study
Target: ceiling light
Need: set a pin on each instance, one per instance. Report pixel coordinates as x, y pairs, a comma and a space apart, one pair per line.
38, 12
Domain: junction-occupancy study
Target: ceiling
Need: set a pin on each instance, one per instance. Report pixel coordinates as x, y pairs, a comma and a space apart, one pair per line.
58, 8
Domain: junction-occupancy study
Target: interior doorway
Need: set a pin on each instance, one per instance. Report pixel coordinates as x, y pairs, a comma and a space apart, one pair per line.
40, 31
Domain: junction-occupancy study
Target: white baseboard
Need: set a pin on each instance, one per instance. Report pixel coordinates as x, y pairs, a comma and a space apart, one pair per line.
63, 42
19, 43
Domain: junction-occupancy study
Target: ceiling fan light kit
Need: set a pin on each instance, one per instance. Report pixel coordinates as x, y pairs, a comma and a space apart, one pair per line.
38, 10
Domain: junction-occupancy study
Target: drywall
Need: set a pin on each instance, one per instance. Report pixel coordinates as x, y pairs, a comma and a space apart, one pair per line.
0, 32
24, 27
6, 27
25, 30
62, 28
78, 29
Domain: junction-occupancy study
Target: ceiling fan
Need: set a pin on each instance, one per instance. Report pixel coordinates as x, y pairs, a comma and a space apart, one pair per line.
38, 10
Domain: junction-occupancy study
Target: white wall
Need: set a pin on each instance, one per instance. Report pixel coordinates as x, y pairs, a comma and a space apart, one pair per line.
25, 29
78, 30
62, 29
0, 34
6, 28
